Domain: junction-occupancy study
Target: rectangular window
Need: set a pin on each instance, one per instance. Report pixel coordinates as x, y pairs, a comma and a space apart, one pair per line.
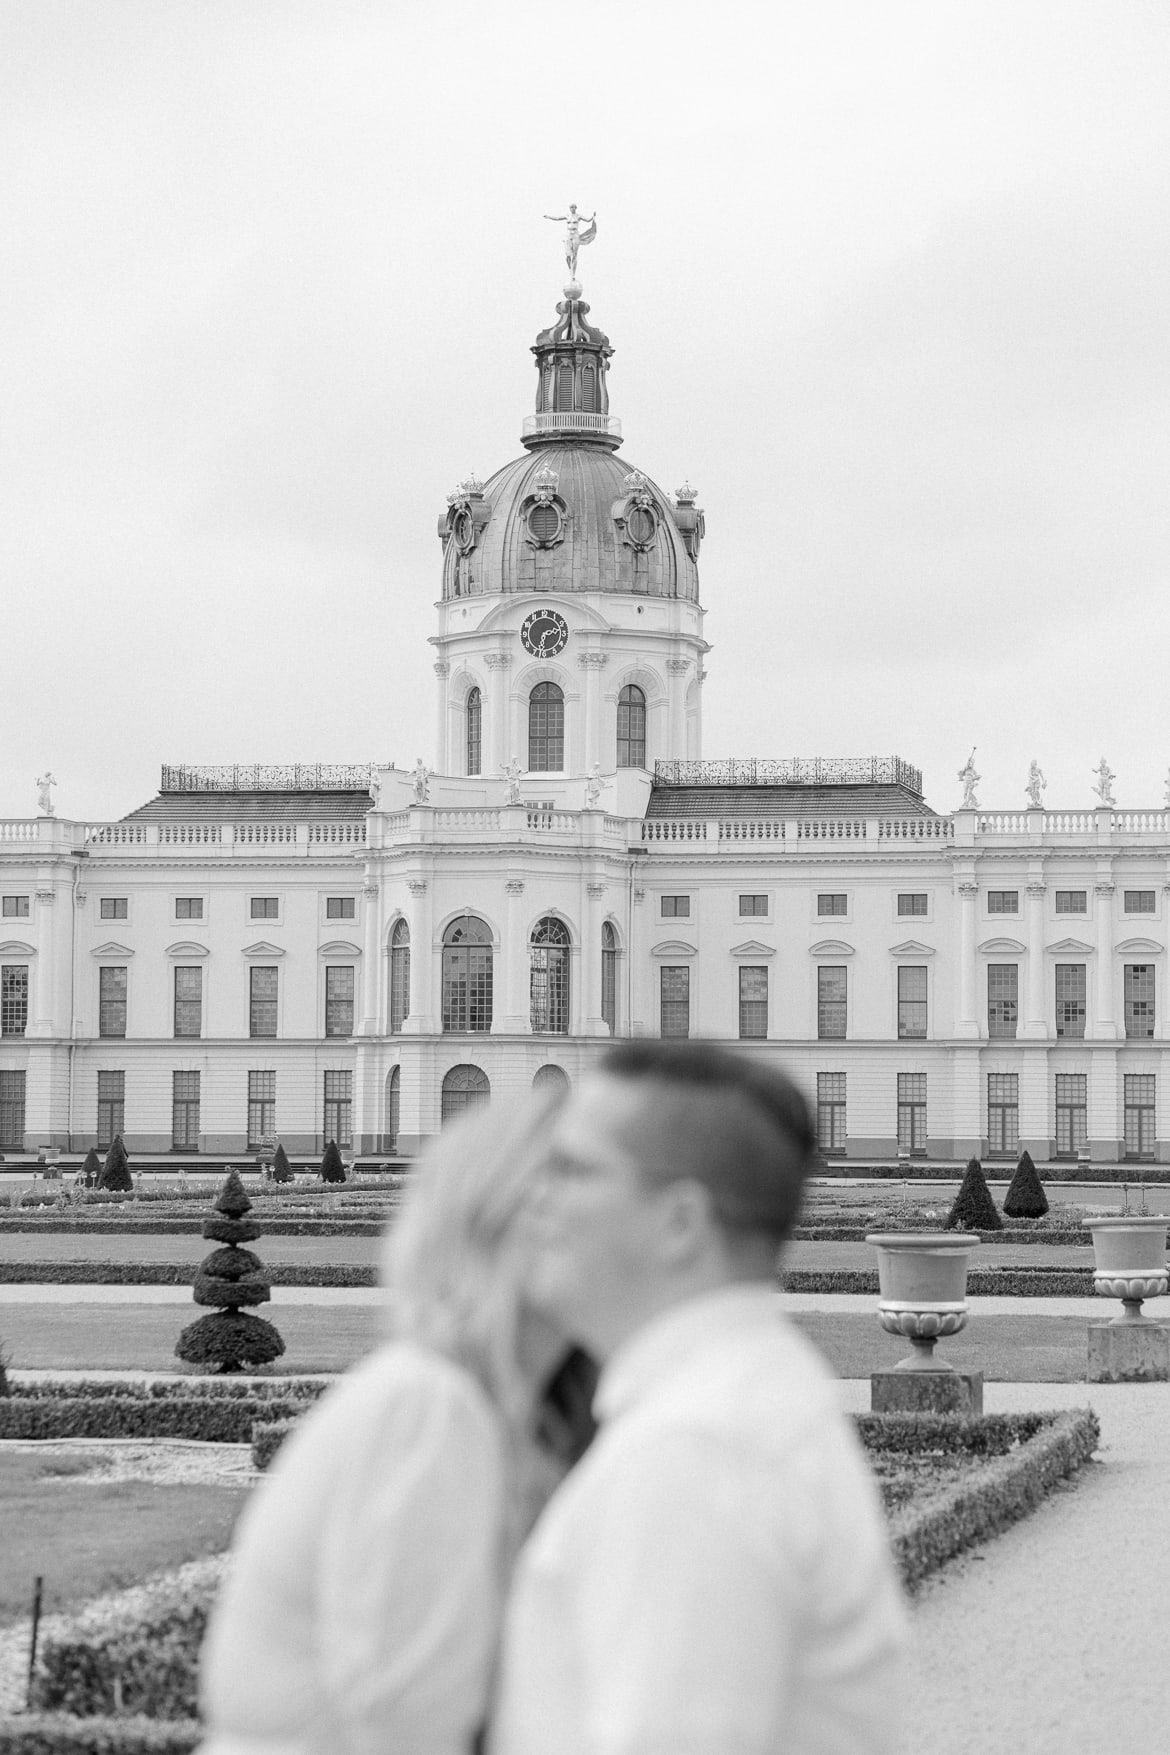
15, 907
112, 1000
262, 991
750, 905
111, 1107
1003, 1009
339, 1001
12, 1110
831, 1002
341, 907
115, 907
912, 1112
1070, 999
185, 1112
832, 905
1003, 1114
911, 1002
1003, 901
13, 999
675, 988
261, 1109
912, 902
189, 1002
1139, 1115
339, 1108
1072, 901
676, 907
831, 1112
1072, 1113
753, 1003
265, 907
1139, 999
1139, 901
188, 907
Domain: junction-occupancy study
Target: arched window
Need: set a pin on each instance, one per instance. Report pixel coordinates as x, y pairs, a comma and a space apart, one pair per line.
474, 731
631, 728
549, 980
551, 1078
464, 1087
609, 977
399, 975
589, 389
565, 387
467, 975
393, 1107
546, 729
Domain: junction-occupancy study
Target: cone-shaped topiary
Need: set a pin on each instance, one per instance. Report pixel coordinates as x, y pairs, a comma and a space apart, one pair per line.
332, 1168
974, 1209
91, 1169
282, 1170
1025, 1197
228, 1279
116, 1170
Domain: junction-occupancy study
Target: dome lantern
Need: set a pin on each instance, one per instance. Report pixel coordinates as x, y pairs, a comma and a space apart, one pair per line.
572, 396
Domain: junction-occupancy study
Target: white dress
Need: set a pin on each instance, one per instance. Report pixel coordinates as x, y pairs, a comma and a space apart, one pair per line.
362, 1609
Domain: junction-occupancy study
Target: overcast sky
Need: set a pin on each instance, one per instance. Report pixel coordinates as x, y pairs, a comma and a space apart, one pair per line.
889, 282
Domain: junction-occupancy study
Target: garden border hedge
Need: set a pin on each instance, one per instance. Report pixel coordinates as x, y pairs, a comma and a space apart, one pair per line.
58, 1733
204, 1419
999, 1282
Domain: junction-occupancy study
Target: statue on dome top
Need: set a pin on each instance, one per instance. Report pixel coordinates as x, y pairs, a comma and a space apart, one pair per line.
580, 230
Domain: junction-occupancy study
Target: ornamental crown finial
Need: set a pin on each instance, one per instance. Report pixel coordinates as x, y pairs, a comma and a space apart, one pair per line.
545, 481
686, 495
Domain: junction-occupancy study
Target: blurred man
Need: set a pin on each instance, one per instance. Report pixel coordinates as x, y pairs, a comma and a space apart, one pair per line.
713, 1578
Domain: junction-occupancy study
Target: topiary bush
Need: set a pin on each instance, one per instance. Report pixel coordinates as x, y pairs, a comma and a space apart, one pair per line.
229, 1279
116, 1170
332, 1168
1025, 1198
973, 1209
91, 1170
282, 1170
5, 1362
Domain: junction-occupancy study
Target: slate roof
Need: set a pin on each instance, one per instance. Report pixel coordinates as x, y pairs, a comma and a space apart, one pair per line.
790, 803
252, 807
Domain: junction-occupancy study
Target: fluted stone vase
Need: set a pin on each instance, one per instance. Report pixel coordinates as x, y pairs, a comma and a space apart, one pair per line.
1129, 1261
922, 1290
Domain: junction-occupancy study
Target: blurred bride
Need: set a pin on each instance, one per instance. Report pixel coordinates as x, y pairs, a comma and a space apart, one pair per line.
362, 1605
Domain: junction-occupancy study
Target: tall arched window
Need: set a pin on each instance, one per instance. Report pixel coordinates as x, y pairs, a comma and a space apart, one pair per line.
399, 975
589, 389
631, 728
474, 732
546, 729
467, 975
551, 1078
393, 1107
609, 977
549, 980
464, 1087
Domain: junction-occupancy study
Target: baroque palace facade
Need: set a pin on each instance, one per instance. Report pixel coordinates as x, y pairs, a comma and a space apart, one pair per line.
318, 953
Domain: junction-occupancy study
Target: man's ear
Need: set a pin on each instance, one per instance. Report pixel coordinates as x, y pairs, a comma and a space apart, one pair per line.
686, 1220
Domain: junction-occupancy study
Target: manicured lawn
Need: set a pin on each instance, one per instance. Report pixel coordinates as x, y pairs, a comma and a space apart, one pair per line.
141, 1337
1007, 1349
84, 1539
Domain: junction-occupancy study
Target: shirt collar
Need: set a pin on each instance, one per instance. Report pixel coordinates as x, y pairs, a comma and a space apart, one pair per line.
668, 1341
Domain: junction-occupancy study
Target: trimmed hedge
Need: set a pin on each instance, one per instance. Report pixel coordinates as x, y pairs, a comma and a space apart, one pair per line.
69, 1225
267, 1438
1045, 1449
1061, 1171
206, 1419
168, 1273
172, 1388
1010, 1234
1006, 1282
57, 1733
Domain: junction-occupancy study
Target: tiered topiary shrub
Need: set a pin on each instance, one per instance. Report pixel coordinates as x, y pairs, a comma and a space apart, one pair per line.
282, 1170
1025, 1198
229, 1279
974, 1209
116, 1171
91, 1170
332, 1168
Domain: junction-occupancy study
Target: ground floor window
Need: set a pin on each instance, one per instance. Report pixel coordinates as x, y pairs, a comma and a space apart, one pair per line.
912, 1112
1003, 1114
609, 977
1072, 1113
675, 1000
464, 1087
12, 1110
831, 1112
338, 1124
393, 1108
185, 1111
261, 1109
111, 1107
1139, 1115
753, 1003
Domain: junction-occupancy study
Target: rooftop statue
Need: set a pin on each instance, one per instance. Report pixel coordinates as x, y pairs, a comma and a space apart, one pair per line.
1105, 779
580, 231
45, 783
1035, 786
970, 780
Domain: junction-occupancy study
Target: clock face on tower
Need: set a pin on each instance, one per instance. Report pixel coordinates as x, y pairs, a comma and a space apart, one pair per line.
544, 633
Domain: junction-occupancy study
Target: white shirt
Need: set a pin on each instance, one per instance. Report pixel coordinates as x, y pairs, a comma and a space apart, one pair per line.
362, 1608
714, 1577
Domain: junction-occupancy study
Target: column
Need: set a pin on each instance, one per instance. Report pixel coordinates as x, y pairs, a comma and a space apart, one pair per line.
967, 1023
369, 1018
678, 669
496, 753
591, 1019
514, 1019
1035, 1011
592, 664
442, 739
1104, 1026
638, 1001
422, 1019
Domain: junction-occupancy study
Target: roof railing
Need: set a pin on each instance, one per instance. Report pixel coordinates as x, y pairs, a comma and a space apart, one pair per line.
571, 420
792, 771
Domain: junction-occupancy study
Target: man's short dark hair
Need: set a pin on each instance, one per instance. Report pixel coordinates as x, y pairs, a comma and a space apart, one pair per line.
733, 1123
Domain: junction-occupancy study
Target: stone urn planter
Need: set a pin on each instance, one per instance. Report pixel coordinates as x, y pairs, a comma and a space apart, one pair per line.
922, 1289
1129, 1261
